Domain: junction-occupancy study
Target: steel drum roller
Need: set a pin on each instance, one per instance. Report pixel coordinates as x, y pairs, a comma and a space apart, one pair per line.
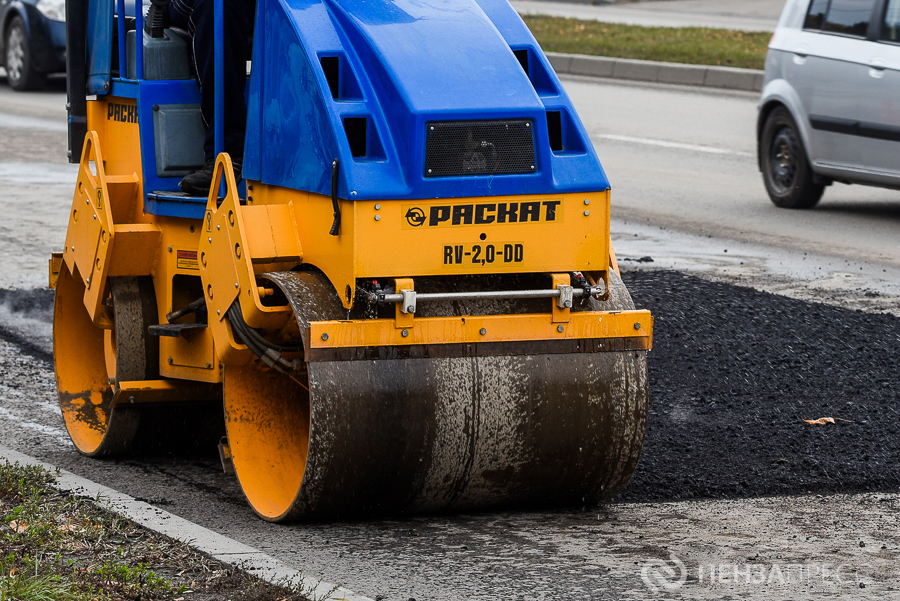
431, 434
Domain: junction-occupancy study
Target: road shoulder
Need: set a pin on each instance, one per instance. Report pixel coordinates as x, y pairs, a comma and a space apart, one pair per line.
215, 545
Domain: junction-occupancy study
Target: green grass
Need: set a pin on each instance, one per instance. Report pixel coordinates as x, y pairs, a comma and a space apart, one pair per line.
23, 586
693, 45
55, 547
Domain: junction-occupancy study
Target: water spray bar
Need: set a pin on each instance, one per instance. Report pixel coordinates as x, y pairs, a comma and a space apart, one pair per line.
563, 295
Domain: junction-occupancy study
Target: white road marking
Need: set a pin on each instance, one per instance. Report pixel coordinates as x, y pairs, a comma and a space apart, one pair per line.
676, 145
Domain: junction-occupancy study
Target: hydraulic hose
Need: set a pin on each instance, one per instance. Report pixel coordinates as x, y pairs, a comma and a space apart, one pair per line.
269, 352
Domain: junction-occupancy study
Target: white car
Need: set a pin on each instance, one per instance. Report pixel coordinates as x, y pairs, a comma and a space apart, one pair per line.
830, 107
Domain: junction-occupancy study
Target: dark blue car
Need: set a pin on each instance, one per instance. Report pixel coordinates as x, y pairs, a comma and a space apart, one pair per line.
33, 41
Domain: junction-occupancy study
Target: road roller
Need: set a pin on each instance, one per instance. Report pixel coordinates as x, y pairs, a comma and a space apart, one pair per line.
408, 303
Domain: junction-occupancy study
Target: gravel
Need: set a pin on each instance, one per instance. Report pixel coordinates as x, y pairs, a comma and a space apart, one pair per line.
733, 373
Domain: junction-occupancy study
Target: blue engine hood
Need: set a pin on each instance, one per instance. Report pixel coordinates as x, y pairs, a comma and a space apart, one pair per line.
362, 81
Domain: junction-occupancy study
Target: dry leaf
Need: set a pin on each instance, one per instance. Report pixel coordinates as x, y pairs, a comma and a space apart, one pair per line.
821, 421
17, 527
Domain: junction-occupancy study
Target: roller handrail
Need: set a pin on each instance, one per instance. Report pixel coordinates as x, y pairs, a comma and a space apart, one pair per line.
219, 116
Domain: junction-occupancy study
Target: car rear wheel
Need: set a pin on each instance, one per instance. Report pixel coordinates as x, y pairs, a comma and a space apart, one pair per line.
20, 72
785, 166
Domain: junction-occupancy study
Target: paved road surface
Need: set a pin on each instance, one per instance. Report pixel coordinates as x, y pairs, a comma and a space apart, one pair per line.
682, 169
678, 158
685, 159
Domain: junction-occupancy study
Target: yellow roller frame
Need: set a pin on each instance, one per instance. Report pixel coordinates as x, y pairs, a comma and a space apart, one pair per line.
234, 239
96, 248
380, 239
281, 228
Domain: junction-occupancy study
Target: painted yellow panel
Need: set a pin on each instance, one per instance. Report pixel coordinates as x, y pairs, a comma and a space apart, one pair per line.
482, 235
382, 239
495, 328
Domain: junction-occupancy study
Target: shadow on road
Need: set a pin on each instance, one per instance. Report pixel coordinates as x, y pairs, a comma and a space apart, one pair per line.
880, 209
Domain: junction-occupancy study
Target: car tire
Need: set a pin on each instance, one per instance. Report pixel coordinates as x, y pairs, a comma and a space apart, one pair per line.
20, 73
785, 166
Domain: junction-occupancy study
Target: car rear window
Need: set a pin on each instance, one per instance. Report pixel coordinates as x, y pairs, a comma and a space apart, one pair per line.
890, 29
849, 17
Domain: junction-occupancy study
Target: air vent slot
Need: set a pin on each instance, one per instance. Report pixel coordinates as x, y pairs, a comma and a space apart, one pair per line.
341, 80
536, 71
331, 66
522, 55
565, 138
454, 148
554, 128
356, 129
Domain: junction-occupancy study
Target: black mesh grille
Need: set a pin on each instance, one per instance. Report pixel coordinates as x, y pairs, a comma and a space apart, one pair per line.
479, 148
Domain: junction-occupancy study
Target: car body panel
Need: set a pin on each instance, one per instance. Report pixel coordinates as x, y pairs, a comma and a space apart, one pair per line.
844, 95
879, 107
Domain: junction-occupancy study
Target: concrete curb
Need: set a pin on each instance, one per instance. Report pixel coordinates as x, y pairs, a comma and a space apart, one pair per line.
212, 543
724, 78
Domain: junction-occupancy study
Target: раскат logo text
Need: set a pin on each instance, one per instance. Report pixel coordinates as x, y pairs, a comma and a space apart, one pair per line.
484, 213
